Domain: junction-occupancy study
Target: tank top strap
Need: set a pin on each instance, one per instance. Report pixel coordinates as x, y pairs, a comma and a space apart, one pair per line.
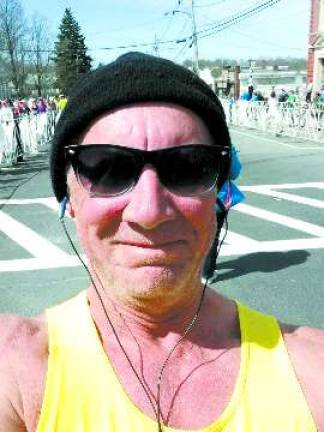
272, 387
70, 323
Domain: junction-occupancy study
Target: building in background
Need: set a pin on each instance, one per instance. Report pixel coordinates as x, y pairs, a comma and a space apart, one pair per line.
235, 80
274, 78
206, 75
315, 64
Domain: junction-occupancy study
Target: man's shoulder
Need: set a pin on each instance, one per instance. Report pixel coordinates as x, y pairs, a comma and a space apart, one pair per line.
19, 332
23, 361
306, 349
23, 341
305, 343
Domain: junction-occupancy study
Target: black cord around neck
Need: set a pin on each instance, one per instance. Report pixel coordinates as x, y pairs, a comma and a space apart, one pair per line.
157, 406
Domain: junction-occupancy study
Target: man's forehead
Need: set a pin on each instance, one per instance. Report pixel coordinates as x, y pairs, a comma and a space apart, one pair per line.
151, 119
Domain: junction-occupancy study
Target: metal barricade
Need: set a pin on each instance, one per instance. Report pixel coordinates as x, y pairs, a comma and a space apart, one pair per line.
24, 135
297, 120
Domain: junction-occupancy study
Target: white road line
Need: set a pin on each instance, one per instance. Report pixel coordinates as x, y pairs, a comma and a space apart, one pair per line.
46, 255
227, 250
287, 221
277, 142
49, 201
309, 185
292, 197
37, 264
28, 239
273, 246
233, 238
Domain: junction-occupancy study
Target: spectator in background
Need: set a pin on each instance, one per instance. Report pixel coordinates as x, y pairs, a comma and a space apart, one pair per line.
61, 105
33, 106
321, 94
257, 96
283, 96
272, 105
247, 95
309, 91
318, 104
41, 106
292, 98
6, 114
62, 102
52, 104
272, 98
23, 107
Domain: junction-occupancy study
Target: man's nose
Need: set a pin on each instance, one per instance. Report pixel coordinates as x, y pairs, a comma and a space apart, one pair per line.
149, 203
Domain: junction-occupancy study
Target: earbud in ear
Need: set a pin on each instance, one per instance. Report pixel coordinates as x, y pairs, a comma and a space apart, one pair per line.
62, 208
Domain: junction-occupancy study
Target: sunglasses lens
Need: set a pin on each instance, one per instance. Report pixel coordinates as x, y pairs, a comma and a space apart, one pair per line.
190, 170
106, 171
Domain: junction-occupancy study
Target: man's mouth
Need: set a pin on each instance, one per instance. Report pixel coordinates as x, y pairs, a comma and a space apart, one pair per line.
147, 245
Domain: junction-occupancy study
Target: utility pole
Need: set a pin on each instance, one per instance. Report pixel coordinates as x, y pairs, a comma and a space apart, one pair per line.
237, 90
252, 64
195, 66
194, 43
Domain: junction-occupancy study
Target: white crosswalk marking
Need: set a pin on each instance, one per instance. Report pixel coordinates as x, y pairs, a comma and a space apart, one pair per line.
37, 264
292, 198
288, 221
272, 246
35, 244
309, 185
232, 238
237, 246
46, 255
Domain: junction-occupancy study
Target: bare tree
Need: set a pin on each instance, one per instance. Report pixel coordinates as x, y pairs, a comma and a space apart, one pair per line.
13, 41
41, 46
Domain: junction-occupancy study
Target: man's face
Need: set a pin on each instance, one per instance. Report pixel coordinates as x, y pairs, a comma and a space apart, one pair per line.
147, 242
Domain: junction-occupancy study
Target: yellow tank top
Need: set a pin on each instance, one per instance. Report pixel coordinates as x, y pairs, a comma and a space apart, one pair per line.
83, 393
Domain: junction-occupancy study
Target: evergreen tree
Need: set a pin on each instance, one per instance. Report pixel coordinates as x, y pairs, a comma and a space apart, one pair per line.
71, 59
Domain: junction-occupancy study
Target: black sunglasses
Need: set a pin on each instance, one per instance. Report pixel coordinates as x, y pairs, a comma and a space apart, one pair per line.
107, 170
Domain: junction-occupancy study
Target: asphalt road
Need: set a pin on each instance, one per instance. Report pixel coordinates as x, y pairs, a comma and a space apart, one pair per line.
272, 258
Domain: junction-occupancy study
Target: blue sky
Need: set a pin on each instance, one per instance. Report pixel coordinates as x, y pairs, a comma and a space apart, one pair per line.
280, 30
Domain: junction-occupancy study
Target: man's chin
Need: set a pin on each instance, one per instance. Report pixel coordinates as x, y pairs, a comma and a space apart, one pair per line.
152, 275
147, 281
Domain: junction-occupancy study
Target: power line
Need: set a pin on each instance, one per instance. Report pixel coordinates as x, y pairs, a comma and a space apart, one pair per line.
181, 50
207, 32
183, 28
233, 19
231, 22
171, 15
135, 45
167, 26
227, 22
239, 16
194, 42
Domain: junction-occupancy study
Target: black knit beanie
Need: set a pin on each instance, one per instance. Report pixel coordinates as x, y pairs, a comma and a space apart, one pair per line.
133, 77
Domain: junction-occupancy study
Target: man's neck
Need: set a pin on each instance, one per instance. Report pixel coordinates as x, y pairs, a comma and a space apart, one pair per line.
145, 318
165, 329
